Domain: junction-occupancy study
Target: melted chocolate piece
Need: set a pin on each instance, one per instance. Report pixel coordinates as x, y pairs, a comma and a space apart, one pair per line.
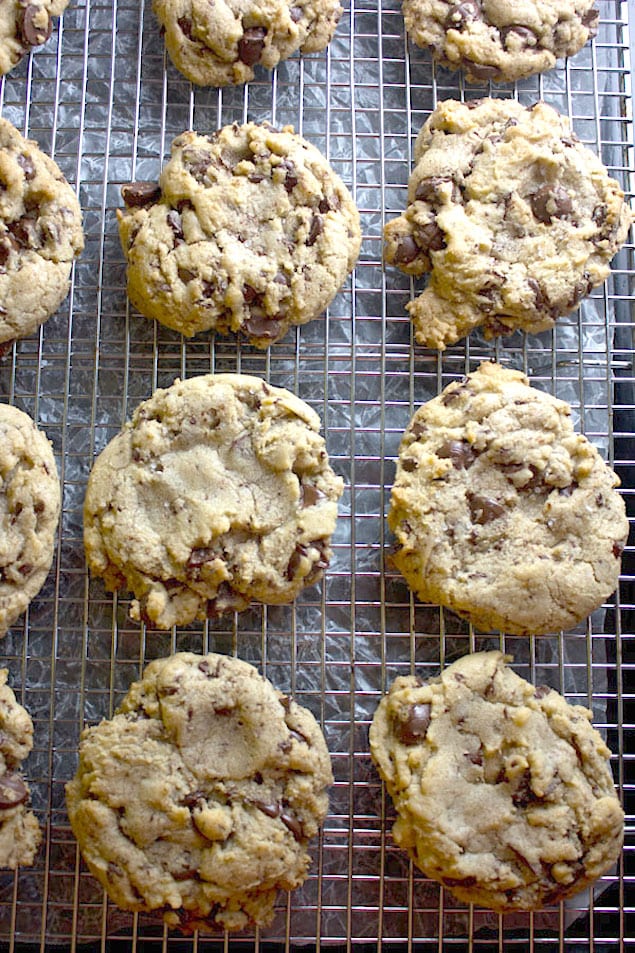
411, 731
483, 509
270, 809
459, 452
481, 71
316, 229
617, 550
32, 35
406, 251
140, 194
429, 237
463, 13
262, 326
550, 202
251, 45
198, 557
292, 823
13, 791
527, 36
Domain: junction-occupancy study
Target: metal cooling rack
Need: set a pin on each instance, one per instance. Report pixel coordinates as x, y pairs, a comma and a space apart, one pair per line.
102, 99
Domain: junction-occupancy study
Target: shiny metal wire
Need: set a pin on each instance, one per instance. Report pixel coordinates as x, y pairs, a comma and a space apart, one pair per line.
102, 99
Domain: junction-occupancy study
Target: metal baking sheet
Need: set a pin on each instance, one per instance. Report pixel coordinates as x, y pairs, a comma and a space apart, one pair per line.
103, 100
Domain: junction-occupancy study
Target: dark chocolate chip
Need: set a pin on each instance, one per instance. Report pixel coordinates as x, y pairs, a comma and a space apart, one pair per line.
329, 204
406, 251
591, 20
541, 301
291, 177
5, 252
23, 231
414, 728
185, 274
599, 215
461, 453
271, 809
428, 189
297, 555
185, 25
481, 71
550, 202
409, 465
310, 495
292, 823
140, 194
541, 691
31, 34
226, 600
429, 237
200, 556
174, 221
316, 229
262, 326
483, 509
250, 295
462, 13
13, 791
27, 166
567, 490
527, 36
251, 45
618, 549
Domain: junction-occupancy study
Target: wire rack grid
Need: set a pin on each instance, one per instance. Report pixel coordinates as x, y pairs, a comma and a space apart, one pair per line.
103, 100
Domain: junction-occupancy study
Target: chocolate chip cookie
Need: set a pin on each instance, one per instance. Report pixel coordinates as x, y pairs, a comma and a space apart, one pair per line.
498, 40
19, 829
29, 512
515, 219
40, 235
219, 43
248, 230
25, 24
503, 791
199, 797
216, 493
501, 512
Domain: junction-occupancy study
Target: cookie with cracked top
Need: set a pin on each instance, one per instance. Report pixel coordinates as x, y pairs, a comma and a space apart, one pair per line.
501, 511
217, 492
199, 797
249, 230
499, 40
20, 833
29, 512
40, 235
513, 217
503, 791
25, 25
219, 43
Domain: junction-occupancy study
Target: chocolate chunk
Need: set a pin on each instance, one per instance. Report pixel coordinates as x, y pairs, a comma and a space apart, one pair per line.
459, 452
174, 221
527, 36
406, 251
31, 34
250, 295
185, 274
483, 509
300, 552
329, 204
414, 728
310, 495
23, 231
316, 229
292, 823
27, 166
541, 301
5, 252
429, 237
251, 45
524, 795
591, 20
462, 13
226, 600
140, 194
618, 549
262, 326
599, 215
185, 26
409, 465
550, 202
291, 177
198, 557
428, 189
13, 791
270, 809
481, 71
197, 163
567, 490
541, 691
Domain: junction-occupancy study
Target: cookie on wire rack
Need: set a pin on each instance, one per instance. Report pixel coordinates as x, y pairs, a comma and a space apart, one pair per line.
501, 512
513, 217
40, 235
25, 25
20, 833
218, 492
219, 43
498, 40
199, 797
249, 230
503, 791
